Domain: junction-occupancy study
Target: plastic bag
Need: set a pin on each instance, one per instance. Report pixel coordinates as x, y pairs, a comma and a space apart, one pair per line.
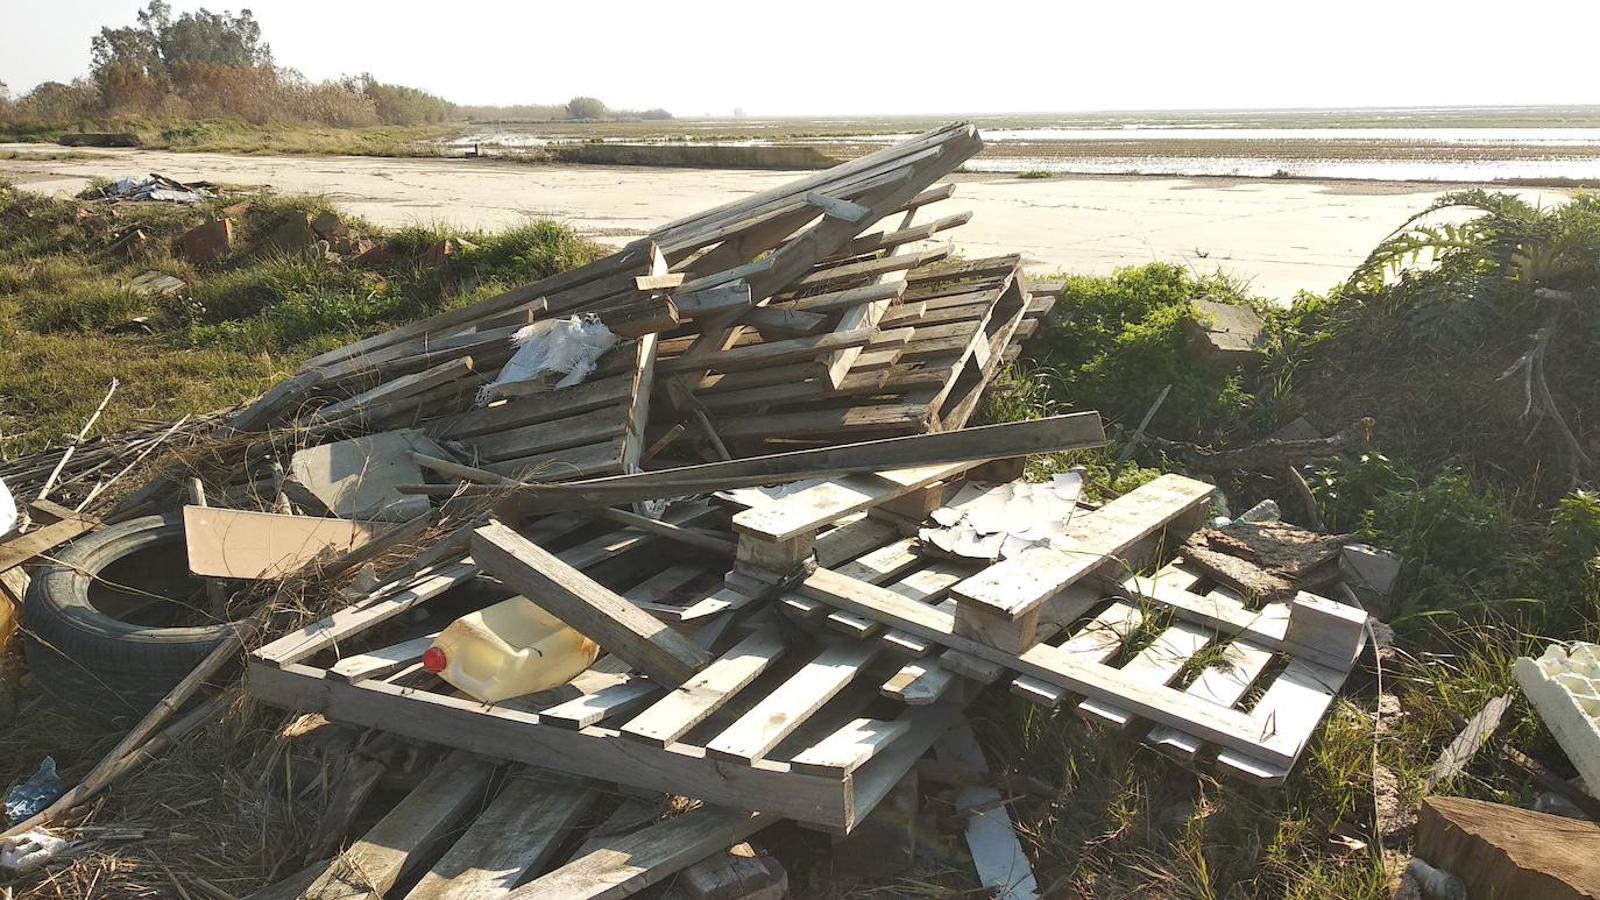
30, 850
570, 347
39, 791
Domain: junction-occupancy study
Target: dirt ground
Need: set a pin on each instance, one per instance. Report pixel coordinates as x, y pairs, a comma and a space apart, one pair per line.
1282, 235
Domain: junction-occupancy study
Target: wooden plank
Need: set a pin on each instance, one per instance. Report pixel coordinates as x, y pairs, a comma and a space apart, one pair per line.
591, 427
1247, 733
1503, 851
918, 684
1224, 683
382, 661
615, 624
1097, 641
627, 864
852, 539
1003, 868
1054, 434
25, 547
1016, 586
835, 208
596, 752
1156, 664
1288, 713
518, 833
756, 356
711, 300
405, 386
789, 705
309, 639
236, 543
590, 460
839, 301
850, 747
548, 405
814, 507
372, 865
674, 715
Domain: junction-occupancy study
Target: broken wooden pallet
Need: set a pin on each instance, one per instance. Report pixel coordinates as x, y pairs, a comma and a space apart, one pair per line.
784, 726
478, 827
1204, 677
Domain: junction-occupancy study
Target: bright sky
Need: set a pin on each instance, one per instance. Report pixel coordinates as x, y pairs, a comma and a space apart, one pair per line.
823, 56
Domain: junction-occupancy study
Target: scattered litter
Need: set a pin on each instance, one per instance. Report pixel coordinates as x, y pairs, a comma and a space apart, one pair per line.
39, 791
155, 187
30, 850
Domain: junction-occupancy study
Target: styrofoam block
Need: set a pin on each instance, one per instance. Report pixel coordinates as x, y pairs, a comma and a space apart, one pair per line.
1564, 686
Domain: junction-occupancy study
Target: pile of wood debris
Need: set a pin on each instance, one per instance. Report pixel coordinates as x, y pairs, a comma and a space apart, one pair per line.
749, 489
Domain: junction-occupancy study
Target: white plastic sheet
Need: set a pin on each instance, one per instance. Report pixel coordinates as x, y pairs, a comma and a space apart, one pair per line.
569, 347
8, 509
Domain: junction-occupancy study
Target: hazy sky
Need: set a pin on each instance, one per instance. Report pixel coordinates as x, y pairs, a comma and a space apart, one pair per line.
782, 58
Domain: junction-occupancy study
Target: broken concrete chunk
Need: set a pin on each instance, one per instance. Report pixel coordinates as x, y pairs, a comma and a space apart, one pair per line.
359, 478
207, 241
1225, 333
1564, 687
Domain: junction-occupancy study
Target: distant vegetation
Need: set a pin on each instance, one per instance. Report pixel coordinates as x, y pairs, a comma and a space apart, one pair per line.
212, 66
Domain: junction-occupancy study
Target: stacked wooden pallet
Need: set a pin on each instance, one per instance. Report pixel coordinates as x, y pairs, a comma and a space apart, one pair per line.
785, 287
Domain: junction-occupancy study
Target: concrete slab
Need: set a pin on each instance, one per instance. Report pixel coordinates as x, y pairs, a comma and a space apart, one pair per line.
357, 478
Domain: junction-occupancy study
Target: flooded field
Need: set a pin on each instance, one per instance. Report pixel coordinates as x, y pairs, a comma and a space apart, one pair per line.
1549, 145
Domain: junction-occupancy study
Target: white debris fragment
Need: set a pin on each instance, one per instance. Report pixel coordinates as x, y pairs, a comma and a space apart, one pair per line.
1001, 522
8, 509
30, 850
568, 347
1564, 686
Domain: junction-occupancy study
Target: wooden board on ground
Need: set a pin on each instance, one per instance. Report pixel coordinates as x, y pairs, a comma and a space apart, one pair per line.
235, 543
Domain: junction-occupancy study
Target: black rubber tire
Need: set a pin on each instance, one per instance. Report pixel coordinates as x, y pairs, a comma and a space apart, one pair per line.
89, 662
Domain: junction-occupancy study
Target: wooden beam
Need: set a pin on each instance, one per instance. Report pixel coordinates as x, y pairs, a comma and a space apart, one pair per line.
372, 865
1057, 433
624, 865
518, 833
615, 624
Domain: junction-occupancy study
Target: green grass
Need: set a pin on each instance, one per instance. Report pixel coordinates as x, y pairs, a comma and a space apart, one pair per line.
69, 323
233, 136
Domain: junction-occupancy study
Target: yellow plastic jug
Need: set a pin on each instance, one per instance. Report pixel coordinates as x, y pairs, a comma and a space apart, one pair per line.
507, 650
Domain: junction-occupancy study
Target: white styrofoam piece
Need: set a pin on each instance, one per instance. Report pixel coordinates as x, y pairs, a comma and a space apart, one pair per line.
1564, 686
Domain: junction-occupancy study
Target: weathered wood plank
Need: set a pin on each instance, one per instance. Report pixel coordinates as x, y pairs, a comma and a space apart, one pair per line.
518, 833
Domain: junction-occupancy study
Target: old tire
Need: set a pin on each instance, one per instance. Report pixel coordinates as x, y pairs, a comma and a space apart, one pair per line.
101, 651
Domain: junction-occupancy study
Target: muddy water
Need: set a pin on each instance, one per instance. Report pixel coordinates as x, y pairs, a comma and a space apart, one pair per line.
1282, 235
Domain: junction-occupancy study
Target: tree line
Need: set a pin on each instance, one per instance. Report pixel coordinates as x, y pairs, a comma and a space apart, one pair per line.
208, 65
